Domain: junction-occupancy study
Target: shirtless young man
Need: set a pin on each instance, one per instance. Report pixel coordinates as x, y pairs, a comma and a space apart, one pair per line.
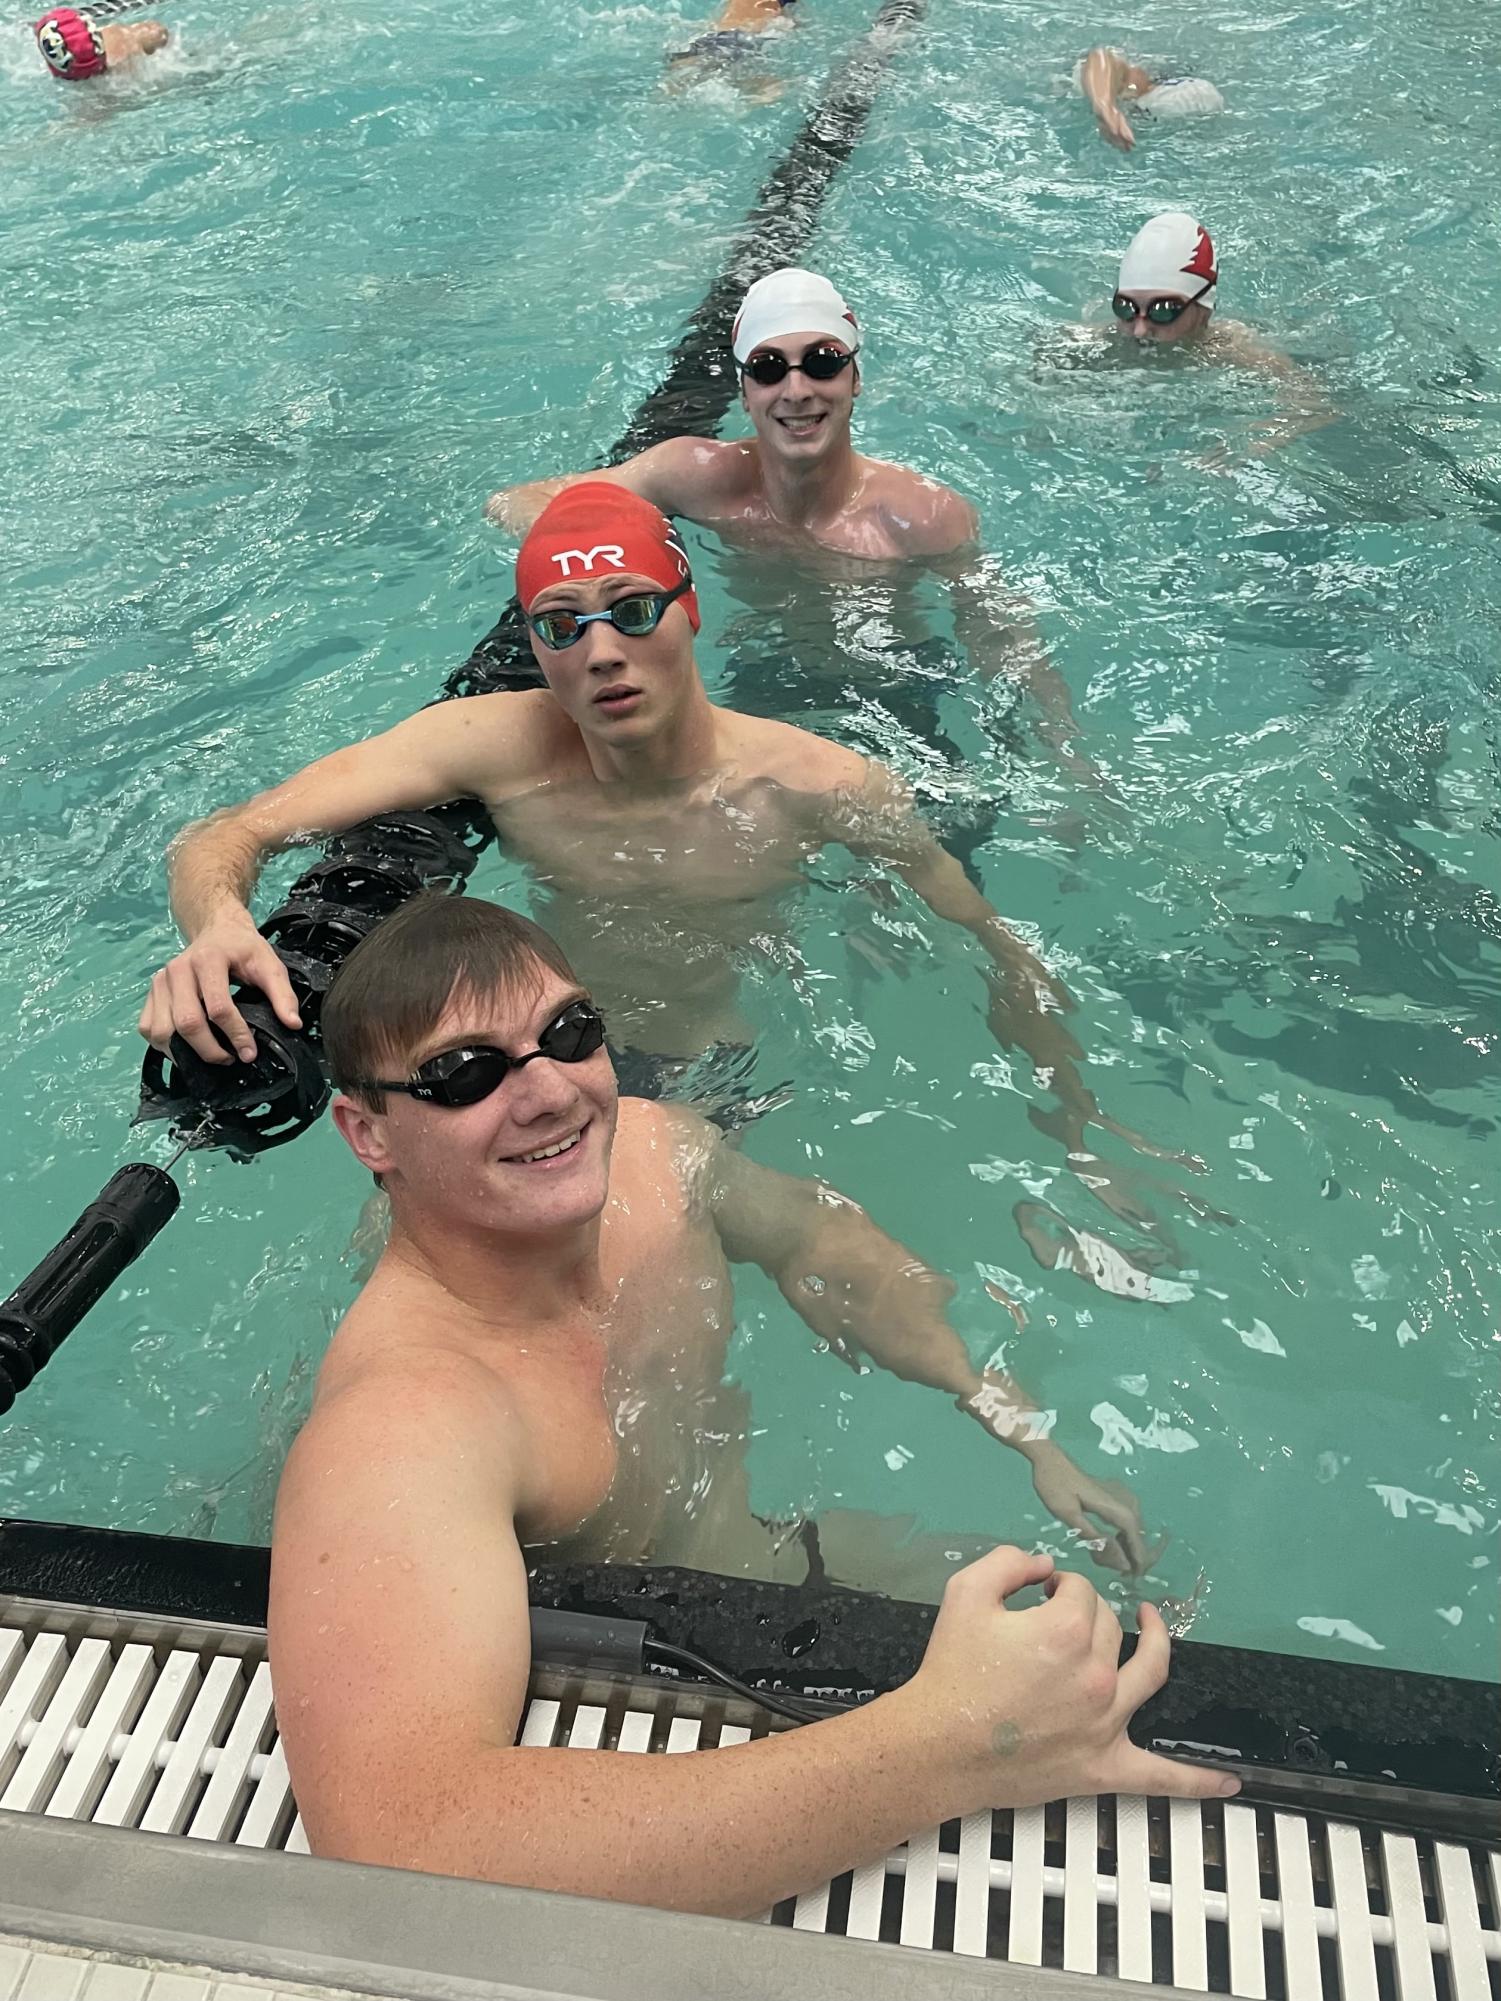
799, 490
536, 1362
660, 829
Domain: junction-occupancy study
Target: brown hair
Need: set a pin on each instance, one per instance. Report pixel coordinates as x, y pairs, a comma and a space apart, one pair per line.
397, 984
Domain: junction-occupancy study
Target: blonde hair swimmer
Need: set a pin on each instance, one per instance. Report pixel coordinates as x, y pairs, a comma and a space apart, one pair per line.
75, 47
1105, 76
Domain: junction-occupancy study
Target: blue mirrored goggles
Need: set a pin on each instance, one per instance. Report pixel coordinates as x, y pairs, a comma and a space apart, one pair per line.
635, 616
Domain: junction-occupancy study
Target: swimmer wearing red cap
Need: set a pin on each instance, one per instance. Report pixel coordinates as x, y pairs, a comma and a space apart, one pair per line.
727, 52
800, 490
662, 831
75, 48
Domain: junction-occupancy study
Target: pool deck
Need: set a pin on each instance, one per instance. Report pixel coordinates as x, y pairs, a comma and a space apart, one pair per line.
263, 1923
151, 1850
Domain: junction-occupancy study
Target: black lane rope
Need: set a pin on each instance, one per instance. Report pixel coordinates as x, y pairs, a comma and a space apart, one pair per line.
700, 382
367, 871
696, 392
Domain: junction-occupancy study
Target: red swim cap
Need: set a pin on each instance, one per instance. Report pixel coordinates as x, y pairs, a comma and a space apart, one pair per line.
71, 46
597, 530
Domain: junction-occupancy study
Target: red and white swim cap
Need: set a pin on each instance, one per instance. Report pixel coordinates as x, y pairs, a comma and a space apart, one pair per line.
72, 47
1172, 253
596, 529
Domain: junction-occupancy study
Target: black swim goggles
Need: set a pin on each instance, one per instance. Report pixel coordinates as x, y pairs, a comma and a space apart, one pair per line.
768, 365
1161, 312
635, 616
464, 1076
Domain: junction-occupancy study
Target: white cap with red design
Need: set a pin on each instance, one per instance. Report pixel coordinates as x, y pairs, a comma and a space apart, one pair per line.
1172, 254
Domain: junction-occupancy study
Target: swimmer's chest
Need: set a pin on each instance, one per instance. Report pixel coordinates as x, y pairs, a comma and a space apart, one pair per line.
609, 1419
699, 848
859, 549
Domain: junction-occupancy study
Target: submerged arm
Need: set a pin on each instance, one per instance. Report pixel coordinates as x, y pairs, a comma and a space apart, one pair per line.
1027, 1002
1303, 404
864, 1293
998, 629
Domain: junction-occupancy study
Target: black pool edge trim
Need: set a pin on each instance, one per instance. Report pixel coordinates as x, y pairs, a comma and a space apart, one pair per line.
1423, 1751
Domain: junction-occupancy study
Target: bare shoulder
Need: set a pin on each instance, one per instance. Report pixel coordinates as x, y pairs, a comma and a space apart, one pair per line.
794, 758
692, 476
926, 517
505, 739
1234, 342
378, 1405
662, 1149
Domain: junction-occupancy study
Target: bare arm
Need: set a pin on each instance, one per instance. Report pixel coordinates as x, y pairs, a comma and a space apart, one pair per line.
863, 1292
858, 1289
400, 1647
1028, 1002
1302, 402
213, 864
998, 629
677, 476
1104, 75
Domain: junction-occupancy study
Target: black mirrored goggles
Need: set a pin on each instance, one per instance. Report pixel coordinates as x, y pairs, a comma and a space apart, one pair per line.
634, 616
464, 1076
769, 365
1161, 312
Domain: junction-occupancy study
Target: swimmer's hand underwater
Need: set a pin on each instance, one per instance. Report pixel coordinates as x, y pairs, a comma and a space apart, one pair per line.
1065, 1490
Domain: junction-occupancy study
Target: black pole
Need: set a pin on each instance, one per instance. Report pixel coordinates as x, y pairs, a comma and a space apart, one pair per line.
75, 1274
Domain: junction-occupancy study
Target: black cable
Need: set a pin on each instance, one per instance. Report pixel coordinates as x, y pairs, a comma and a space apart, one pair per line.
796, 1708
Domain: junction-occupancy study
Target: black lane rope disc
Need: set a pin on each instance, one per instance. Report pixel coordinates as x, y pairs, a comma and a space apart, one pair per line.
368, 870
699, 386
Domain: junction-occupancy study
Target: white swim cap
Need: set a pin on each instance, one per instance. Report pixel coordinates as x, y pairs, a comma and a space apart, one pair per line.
1181, 97
787, 302
1172, 254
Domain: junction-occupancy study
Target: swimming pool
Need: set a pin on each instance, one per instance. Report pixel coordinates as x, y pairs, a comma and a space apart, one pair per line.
282, 314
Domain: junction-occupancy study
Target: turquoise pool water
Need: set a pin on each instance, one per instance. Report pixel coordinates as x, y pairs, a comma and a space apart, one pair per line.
280, 314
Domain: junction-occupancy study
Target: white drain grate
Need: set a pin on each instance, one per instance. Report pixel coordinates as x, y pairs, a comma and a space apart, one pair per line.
1225, 1899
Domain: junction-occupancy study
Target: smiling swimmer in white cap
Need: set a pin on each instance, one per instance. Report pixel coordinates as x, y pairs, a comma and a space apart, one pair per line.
799, 482
1106, 76
799, 488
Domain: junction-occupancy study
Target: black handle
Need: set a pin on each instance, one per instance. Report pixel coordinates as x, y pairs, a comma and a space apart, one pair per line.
76, 1273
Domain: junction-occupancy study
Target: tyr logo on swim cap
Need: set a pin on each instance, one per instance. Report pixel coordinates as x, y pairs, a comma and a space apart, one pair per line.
72, 47
595, 530
791, 301
1172, 254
